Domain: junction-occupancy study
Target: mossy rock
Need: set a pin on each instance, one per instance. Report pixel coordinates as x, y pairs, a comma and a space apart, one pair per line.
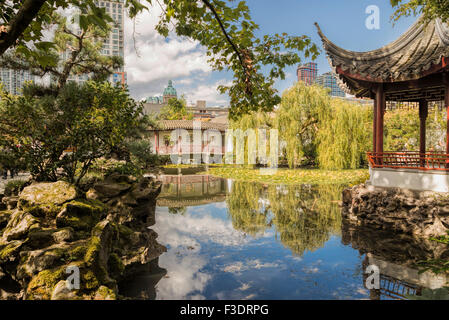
64, 235
41, 286
4, 218
9, 251
19, 224
80, 214
46, 198
105, 293
115, 266
40, 238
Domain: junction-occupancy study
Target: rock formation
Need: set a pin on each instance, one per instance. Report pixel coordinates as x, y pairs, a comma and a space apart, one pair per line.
49, 228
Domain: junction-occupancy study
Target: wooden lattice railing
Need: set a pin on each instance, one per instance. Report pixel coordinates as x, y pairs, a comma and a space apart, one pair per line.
410, 160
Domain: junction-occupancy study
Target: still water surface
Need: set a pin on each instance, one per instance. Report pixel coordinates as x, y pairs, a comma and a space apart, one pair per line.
240, 240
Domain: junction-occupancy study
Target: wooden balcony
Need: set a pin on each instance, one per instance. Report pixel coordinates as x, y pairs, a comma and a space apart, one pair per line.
410, 160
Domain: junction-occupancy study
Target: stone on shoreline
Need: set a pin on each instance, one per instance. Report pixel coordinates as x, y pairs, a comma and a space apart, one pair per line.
423, 214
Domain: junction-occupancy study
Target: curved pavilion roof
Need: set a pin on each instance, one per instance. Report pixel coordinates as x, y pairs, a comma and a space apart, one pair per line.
421, 51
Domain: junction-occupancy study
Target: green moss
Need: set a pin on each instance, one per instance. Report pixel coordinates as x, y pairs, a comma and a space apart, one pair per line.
77, 253
89, 280
115, 265
81, 214
41, 285
124, 232
93, 251
8, 250
43, 210
104, 293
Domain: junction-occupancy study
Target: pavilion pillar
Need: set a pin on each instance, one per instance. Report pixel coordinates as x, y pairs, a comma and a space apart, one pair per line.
380, 109
423, 112
375, 124
446, 104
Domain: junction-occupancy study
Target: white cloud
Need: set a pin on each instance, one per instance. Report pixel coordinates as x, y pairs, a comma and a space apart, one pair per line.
158, 60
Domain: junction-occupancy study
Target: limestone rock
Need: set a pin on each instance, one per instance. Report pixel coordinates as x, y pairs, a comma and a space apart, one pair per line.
62, 292
108, 189
421, 214
55, 193
104, 293
64, 235
19, 225
80, 214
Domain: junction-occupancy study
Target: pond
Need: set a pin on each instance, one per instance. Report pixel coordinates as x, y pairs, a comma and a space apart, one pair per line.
240, 240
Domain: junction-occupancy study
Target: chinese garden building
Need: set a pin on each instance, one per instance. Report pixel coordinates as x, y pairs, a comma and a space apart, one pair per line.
414, 69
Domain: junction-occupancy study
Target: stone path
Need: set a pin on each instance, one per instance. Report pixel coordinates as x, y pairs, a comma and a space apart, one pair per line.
20, 176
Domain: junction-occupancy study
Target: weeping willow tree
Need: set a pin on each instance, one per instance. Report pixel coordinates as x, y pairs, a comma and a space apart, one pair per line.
298, 120
257, 121
402, 130
246, 211
305, 216
344, 135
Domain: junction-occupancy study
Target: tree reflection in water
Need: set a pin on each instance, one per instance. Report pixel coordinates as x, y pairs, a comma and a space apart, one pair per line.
303, 216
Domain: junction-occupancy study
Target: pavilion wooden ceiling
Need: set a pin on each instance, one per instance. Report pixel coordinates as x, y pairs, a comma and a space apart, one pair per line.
414, 67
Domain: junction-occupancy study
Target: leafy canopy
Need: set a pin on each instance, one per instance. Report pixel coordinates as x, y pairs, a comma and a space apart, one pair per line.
224, 28
175, 109
430, 9
68, 130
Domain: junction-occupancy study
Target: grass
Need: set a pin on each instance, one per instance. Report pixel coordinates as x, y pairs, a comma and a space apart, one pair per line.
287, 176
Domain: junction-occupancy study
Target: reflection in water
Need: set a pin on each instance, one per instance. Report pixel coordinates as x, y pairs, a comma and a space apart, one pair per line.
397, 257
303, 217
240, 240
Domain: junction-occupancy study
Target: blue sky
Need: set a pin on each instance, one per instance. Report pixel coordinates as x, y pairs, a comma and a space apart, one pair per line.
179, 59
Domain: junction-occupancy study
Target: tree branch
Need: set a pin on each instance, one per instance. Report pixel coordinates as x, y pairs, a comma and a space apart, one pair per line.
27, 12
225, 33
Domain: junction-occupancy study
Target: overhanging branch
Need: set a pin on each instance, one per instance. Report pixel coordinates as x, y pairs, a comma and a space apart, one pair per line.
27, 12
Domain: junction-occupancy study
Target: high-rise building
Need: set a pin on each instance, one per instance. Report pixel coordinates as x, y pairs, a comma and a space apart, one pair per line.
13, 80
307, 73
114, 44
329, 80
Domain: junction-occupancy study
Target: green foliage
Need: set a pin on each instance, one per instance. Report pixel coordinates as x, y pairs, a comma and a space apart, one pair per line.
290, 176
402, 130
83, 54
298, 120
176, 109
224, 28
429, 9
14, 187
344, 136
89, 120
302, 216
257, 121
142, 156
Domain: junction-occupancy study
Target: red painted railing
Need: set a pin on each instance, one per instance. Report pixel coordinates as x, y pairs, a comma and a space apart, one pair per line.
410, 160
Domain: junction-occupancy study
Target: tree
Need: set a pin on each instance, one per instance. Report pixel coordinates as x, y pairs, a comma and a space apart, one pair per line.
224, 28
81, 50
430, 9
176, 109
298, 119
69, 129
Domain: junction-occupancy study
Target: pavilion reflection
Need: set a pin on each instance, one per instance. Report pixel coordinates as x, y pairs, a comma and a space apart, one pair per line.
180, 191
397, 257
